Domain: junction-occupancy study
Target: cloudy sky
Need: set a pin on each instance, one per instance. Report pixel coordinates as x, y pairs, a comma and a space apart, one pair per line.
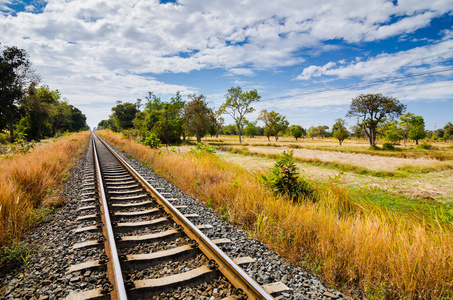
307, 59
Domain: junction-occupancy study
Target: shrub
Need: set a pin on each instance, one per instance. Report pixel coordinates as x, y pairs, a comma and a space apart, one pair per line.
200, 149
388, 146
425, 146
285, 178
15, 254
152, 141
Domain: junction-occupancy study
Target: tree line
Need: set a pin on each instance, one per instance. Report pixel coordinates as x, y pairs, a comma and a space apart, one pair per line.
28, 110
172, 121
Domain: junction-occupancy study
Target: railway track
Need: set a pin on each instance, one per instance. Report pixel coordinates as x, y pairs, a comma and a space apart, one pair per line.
142, 246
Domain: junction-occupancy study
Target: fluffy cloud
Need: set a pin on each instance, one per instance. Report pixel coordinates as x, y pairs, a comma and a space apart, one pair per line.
420, 59
146, 36
97, 49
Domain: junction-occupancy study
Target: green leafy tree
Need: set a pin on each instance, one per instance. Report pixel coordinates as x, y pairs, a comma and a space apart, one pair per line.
164, 119
123, 114
322, 130
250, 129
274, 122
78, 119
40, 109
373, 109
405, 124
229, 129
197, 115
238, 104
391, 131
15, 76
339, 130
104, 124
219, 121
296, 131
448, 131
312, 132
417, 130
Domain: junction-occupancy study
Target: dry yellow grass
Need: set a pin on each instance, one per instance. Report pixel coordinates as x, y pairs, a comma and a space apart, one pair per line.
351, 243
29, 181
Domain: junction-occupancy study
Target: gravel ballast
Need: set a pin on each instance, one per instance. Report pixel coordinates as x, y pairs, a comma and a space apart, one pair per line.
45, 275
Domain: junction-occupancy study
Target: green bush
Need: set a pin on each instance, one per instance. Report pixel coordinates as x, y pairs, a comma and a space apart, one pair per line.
152, 141
200, 149
16, 253
425, 146
388, 146
285, 178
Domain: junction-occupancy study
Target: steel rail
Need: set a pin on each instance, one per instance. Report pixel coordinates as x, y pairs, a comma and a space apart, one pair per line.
235, 274
119, 290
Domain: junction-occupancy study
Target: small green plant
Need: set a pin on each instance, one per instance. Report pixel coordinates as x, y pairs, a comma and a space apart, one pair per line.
388, 146
424, 146
21, 146
200, 149
285, 178
17, 253
152, 141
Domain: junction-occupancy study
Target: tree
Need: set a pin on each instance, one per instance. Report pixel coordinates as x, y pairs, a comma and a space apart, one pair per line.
238, 104
357, 131
312, 132
218, 123
78, 119
124, 114
250, 130
405, 125
373, 109
391, 131
448, 131
417, 131
322, 130
339, 130
15, 76
296, 131
197, 115
40, 109
104, 124
274, 122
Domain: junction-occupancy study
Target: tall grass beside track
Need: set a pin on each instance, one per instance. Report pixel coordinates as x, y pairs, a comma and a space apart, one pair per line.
350, 242
29, 183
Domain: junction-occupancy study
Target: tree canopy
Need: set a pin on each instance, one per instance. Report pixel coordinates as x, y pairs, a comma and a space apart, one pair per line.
274, 122
373, 109
339, 130
198, 116
15, 75
238, 104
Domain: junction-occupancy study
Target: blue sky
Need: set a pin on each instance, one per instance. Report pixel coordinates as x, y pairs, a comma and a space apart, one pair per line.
307, 59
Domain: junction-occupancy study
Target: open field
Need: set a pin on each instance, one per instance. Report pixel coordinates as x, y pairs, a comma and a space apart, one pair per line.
415, 177
344, 235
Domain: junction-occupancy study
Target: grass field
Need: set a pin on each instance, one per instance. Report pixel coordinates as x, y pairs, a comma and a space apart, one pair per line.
30, 187
356, 235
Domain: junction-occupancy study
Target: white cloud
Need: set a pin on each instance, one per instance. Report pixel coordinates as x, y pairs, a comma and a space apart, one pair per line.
97, 49
387, 65
242, 71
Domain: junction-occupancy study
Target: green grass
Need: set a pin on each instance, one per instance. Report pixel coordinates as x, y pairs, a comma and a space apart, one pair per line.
404, 205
